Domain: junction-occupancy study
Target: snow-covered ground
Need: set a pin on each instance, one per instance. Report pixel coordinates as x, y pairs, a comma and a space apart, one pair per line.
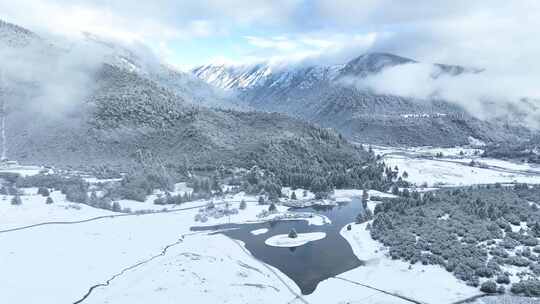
20, 169
201, 269
442, 172
58, 263
33, 210
428, 284
429, 151
283, 240
346, 195
425, 165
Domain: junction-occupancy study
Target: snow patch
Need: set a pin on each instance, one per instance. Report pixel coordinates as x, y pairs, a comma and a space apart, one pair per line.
259, 231
283, 240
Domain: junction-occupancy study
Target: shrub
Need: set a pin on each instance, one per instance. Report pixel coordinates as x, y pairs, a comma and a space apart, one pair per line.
517, 261
529, 288
243, 205
16, 200
169, 199
10, 177
535, 268
485, 272
49, 200
503, 279
43, 191
116, 207
488, 287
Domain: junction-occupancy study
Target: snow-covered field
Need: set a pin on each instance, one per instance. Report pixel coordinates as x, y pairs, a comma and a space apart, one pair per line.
34, 210
453, 169
22, 170
58, 263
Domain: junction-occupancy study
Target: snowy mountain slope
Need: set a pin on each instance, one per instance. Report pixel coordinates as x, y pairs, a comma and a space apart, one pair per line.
325, 95
138, 59
12, 35
118, 114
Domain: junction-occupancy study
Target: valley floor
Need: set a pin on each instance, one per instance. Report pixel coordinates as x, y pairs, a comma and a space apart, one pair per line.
456, 167
79, 254
156, 258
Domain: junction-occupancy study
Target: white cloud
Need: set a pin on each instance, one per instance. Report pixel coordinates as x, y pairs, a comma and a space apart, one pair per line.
496, 35
486, 95
278, 43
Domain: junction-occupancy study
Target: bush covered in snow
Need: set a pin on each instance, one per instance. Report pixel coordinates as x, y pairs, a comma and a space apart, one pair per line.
527, 287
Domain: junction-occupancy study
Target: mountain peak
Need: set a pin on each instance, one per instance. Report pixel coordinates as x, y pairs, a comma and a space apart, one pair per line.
373, 63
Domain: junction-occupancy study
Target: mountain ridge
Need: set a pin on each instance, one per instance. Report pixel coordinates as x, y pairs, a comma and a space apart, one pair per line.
128, 118
324, 95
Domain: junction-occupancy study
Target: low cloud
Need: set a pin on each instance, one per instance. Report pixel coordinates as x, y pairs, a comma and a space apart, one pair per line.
485, 95
50, 80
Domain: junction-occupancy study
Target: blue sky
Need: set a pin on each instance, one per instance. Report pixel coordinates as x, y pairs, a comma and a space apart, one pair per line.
487, 33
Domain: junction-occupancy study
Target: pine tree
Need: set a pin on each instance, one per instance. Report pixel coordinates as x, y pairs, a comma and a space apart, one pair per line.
94, 200
293, 234
261, 200
242, 205
395, 190
365, 197
116, 207
272, 207
49, 200
293, 195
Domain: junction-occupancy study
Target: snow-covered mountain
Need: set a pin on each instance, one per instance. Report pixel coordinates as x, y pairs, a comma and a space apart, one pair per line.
245, 77
141, 61
94, 102
258, 75
12, 35
131, 58
326, 95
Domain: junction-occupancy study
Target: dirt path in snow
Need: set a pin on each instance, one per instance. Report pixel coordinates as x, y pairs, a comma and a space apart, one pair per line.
124, 270
97, 218
382, 291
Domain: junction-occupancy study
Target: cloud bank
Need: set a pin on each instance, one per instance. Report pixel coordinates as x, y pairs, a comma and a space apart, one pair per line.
485, 95
495, 35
